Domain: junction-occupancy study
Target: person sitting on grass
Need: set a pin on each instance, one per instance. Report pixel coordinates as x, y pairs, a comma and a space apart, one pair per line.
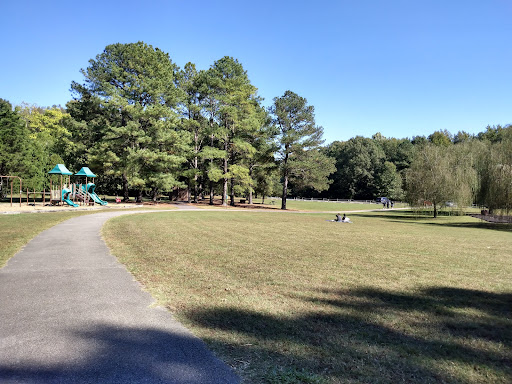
340, 219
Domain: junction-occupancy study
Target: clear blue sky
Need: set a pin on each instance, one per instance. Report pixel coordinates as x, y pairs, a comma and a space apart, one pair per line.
402, 68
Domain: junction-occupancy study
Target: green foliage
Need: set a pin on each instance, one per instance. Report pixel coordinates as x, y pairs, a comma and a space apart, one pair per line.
17, 152
128, 100
143, 123
439, 174
299, 139
310, 169
237, 113
494, 133
441, 138
362, 171
495, 173
51, 141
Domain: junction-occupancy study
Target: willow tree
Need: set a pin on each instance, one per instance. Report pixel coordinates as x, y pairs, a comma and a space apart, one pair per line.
495, 174
439, 174
299, 140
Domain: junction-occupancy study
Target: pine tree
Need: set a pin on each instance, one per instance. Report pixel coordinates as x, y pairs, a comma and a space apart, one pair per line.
131, 90
299, 141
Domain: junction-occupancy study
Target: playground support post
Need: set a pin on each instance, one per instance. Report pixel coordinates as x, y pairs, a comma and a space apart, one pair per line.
12, 186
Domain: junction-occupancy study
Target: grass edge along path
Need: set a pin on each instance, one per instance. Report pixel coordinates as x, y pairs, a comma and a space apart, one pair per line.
19, 229
296, 299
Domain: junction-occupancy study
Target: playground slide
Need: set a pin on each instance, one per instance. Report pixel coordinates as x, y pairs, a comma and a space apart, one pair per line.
93, 195
96, 198
65, 194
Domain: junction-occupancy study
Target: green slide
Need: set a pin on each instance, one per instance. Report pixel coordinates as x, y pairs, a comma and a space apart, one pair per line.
65, 197
93, 195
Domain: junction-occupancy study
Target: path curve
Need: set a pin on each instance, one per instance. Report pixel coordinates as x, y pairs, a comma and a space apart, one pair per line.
71, 313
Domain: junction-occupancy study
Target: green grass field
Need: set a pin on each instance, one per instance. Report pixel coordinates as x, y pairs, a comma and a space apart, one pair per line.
291, 298
299, 205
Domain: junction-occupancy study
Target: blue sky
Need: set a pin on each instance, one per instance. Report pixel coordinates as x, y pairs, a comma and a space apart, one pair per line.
402, 68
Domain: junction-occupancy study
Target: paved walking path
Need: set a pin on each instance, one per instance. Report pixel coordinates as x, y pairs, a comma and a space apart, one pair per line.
71, 313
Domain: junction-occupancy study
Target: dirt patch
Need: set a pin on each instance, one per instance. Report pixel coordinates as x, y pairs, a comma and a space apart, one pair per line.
6, 208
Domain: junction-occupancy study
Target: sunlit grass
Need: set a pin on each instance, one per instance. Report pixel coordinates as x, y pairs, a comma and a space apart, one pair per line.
17, 230
304, 205
287, 297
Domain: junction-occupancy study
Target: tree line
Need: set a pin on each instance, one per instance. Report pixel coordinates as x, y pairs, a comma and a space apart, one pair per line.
148, 127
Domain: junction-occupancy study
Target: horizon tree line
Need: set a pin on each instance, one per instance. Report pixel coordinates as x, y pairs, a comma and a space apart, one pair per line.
147, 127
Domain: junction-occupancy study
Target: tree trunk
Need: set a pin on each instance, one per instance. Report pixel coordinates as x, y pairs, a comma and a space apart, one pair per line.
155, 195
196, 149
285, 191
250, 187
126, 193
211, 164
285, 178
435, 210
225, 185
232, 197
139, 196
263, 199
211, 193
201, 189
225, 192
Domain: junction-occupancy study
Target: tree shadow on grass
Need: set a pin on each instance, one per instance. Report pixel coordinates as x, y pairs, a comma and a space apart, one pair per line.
502, 227
377, 336
410, 218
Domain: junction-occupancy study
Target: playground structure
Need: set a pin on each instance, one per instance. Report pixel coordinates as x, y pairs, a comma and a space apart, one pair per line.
65, 192
70, 193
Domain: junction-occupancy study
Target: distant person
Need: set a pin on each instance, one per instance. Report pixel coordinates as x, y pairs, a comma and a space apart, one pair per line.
392, 204
338, 217
388, 204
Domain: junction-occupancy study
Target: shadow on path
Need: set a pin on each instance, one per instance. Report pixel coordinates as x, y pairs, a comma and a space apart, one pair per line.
121, 355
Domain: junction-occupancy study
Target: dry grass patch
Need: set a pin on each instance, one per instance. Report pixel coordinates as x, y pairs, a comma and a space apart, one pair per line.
292, 298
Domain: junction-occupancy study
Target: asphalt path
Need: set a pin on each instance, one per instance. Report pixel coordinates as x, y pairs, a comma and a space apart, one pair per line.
71, 313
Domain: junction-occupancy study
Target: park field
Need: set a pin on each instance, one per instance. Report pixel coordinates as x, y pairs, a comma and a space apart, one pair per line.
331, 206
289, 297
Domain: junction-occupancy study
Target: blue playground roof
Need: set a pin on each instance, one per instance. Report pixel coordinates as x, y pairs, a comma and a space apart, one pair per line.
85, 171
60, 169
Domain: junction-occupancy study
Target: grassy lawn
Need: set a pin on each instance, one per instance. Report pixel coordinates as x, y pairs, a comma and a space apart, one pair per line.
18, 230
305, 205
292, 298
